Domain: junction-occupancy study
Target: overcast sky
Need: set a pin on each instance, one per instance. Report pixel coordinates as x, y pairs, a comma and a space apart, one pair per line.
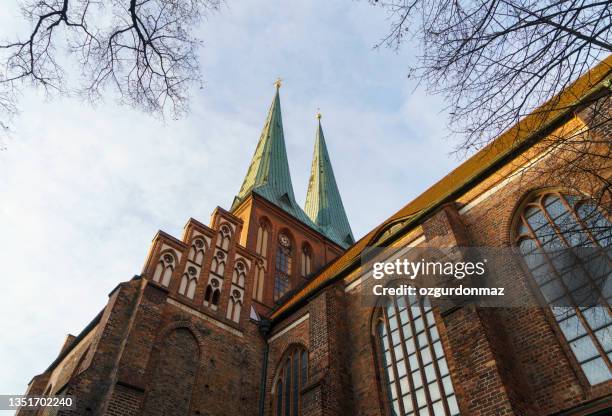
83, 190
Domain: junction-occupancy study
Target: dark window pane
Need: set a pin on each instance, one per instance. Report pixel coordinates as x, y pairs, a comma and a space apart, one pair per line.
279, 399
543, 274
287, 383
294, 384
304, 370
585, 295
563, 261
574, 278
552, 290
598, 265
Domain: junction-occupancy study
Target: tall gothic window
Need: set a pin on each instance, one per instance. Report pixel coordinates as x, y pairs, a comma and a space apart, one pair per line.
261, 248
224, 238
306, 260
549, 225
164, 269
260, 275
196, 251
291, 378
234, 306
189, 282
283, 266
415, 372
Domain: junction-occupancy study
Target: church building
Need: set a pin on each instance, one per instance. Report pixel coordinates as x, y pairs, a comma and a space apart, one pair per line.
259, 312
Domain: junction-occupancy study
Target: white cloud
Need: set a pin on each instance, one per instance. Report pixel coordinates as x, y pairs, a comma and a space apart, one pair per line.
84, 190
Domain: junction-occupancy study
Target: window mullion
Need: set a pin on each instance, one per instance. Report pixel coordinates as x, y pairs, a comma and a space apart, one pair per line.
568, 293
393, 365
584, 226
579, 260
400, 327
434, 361
299, 379
418, 352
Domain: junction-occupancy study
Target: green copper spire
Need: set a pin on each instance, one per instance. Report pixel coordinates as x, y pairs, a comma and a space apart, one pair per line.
323, 201
268, 174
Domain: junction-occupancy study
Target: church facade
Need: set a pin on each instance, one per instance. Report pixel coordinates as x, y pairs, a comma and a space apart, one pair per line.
259, 312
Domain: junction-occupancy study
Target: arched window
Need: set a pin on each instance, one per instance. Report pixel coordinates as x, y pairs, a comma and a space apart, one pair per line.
261, 246
217, 265
164, 269
239, 275
225, 236
306, 260
283, 266
213, 293
196, 251
289, 381
234, 306
548, 225
260, 275
415, 372
189, 282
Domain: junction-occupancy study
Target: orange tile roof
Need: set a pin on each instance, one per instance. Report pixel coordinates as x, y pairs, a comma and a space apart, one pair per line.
469, 170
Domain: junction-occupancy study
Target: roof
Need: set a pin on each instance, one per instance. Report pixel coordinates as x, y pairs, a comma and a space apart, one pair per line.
268, 174
323, 202
462, 178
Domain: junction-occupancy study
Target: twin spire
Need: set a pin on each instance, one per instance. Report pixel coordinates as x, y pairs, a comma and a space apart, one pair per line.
268, 176
323, 202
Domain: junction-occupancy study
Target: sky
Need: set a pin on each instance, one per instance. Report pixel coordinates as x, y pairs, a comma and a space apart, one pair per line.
84, 189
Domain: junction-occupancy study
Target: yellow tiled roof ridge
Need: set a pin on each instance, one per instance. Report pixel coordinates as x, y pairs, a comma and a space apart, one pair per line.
542, 118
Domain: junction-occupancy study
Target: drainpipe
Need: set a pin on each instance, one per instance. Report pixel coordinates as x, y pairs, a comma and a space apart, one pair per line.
264, 329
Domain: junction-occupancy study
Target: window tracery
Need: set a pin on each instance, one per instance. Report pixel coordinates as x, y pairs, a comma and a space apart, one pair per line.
565, 243
283, 266
291, 378
164, 269
415, 371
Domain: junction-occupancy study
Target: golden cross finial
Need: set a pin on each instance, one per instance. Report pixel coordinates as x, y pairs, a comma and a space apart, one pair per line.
318, 115
278, 83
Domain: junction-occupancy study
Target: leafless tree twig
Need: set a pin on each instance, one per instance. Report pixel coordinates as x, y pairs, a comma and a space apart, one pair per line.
144, 49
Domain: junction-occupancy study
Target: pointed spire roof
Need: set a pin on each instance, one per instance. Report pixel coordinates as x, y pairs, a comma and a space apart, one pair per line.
323, 202
268, 174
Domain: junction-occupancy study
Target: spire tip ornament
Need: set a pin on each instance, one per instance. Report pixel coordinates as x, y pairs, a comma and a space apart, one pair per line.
318, 115
278, 83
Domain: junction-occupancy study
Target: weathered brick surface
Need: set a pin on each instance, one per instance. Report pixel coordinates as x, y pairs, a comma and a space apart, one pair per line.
126, 401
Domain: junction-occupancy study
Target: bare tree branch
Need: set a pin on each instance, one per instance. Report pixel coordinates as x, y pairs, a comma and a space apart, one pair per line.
497, 61
143, 49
